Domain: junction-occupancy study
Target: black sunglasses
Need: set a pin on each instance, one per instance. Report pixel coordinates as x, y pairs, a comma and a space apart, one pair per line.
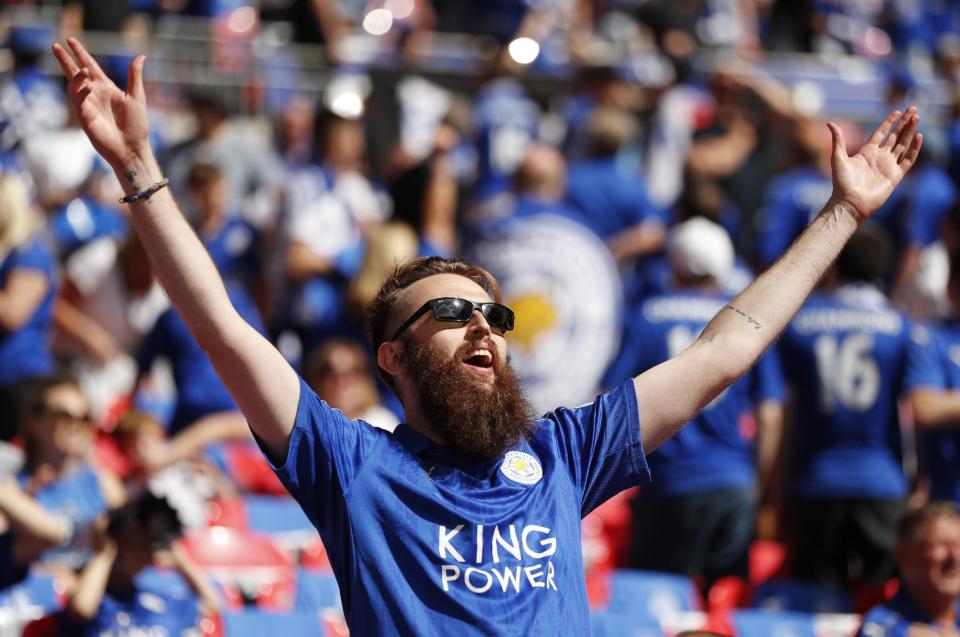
453, 310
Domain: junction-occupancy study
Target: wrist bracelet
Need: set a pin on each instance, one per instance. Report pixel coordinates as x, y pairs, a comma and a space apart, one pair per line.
147, 192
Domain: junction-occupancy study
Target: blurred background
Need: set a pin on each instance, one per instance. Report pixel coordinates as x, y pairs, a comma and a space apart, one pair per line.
562, 144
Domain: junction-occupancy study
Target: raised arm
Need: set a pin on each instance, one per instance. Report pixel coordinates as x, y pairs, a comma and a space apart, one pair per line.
673, 392
259, 379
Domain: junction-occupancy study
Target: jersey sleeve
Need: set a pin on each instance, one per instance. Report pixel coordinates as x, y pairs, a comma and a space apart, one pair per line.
325, 453
923, 364
32, 256
601, 446
766, 378
779, 223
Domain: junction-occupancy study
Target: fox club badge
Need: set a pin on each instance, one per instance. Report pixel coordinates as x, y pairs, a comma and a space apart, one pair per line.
521, 467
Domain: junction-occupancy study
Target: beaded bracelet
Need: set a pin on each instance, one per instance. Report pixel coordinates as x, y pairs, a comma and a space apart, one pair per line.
147, 192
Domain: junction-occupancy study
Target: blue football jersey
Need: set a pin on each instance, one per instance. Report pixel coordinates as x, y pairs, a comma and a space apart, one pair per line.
424, 540
790, 203
895, 618
715, 450
168, 613
200, 392
939, 368
507, 121
845, 354
25, 351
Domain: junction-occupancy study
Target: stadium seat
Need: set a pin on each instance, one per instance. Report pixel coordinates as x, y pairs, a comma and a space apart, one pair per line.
755, 623
805, 597
314, 556
728, 593
767, 560
616, 624
249, 470
316, 591
245, 562
254, 622
655, 594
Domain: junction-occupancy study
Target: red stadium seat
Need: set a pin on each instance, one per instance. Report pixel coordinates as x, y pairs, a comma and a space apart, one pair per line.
728, 593
250, 471
314, 556
767, 560
249, 566
231, 513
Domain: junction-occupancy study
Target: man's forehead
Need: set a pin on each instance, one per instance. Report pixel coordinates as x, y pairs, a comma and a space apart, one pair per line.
439, 285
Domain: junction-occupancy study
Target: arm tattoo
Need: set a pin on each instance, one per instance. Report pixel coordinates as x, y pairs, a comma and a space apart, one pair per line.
131, 175
752, 321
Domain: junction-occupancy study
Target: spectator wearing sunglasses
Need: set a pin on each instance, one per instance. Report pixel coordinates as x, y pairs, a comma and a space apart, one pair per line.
465, 519
60, 472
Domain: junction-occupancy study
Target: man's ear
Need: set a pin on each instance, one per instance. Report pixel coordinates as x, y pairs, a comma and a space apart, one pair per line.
388, 358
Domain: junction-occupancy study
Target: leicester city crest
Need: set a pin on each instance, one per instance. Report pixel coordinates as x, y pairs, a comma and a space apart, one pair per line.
521, 467
563, 284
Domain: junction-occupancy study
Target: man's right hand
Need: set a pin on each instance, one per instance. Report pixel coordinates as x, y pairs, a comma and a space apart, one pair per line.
116, 122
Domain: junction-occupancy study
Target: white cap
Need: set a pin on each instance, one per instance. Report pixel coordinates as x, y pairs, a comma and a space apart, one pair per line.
699, 247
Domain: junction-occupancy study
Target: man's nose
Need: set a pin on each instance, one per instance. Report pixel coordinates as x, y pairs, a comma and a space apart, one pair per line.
478, 323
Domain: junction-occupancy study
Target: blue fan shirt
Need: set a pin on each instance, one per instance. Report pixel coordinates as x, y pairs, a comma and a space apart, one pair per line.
939, 369
424, 540
846, 354
894, 618
716, 449
25, 351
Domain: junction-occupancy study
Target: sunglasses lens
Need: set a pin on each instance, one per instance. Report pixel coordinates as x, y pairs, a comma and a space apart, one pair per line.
498, 316
452, 310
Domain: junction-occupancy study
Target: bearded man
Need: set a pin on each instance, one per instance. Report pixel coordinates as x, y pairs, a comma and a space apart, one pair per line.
466, 519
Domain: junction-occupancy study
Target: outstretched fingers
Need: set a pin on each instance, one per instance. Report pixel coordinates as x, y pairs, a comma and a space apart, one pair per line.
904, 135
910, 157
902, 128
135, 78
67, 65
881, 131
84, 58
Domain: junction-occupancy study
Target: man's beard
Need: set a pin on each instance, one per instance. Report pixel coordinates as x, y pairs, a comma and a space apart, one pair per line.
471, 414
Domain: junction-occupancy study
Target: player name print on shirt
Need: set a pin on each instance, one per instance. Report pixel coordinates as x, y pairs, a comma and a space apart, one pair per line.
521, 467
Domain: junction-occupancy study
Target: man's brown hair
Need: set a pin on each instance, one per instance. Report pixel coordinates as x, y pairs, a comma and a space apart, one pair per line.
381, 310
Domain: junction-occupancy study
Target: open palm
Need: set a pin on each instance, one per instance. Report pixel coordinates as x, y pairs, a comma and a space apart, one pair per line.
116, 122
867, 179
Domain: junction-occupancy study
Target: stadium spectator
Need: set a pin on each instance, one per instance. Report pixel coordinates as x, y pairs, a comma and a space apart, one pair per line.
846, 354
250, 167
233, 244
26, 530
109, 302
935, 399
60, 472
330, 207
928, 559
28, 289
612, 201
389, 507
794, 197
199, 392
30, 102
340, 372
108, 597
709, 476
172, 468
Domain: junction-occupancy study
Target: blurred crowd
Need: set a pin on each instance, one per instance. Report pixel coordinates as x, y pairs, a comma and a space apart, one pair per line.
662, 144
